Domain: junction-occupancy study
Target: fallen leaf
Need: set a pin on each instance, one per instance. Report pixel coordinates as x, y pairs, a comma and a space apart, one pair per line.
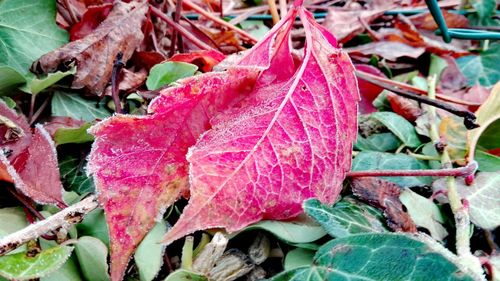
129, 80
90, 21
482, 69
384, 195
424, 213
95, 53
367, 90
288, 141
29, 160
452, 78
427, 22
404, 107
205, 60
137, 177
387, 49
345, 24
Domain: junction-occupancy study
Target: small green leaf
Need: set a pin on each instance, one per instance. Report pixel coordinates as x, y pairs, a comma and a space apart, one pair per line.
74, 106
92, 256
378, 142
487, 162
94, 224
73, 175
9, 79
149, 255
256, 28
184, 275
346, 217
300, 230
386, 256
168, 72
73, 135
485, 12
403, 129
297, 258
21, 267
482, 69
28, 30
370, 160
424, 213
35, 85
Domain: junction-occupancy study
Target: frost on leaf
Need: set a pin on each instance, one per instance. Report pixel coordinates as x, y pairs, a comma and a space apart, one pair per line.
288, 141
139, 162
27, 159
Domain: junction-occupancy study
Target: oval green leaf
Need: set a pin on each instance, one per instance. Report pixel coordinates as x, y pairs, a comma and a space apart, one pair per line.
20, 267
92, 256
346, 217
381, 256
165, 73
149, 255
403, 129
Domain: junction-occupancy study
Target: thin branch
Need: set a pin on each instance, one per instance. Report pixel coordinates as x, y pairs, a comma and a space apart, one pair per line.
64, 219
117, 67
414, 94
217, 20
274, 11
184, 32
454, 172
39, 111
175, 34
398, 86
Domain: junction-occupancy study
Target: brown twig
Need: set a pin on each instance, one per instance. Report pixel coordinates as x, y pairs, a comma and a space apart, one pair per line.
117, 67
202, 33
217, 20
63, 219
175, 34
184, 32
274, 11
408, 92
454, 172
39, 111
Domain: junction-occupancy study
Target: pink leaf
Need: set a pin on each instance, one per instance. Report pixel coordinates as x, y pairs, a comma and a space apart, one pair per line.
29, 160
139, 162
290, 140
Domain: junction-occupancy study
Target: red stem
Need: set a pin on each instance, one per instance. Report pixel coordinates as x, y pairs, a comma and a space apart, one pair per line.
455, 172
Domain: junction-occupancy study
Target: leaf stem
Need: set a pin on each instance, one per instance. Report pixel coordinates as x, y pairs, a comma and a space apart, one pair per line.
455, 172
211, 17
460, 213
415, 94
175, 34
274, 11
184, 32
63, 219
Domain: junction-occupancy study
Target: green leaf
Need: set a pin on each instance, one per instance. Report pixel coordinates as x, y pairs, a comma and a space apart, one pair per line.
346, 217
28, 30
483, 68
73, 175
74, 106
485, 10
483, 197
68, 272
149, 255
35, 85
300, 230
370, 160
16, 219
185, 275
403, 129
256, 28
297, 258
73, 135
92, 256
94, 224
378, 256
424, 213
487, 162
21, 267
437, 66
9, 78
168, 72
377, 142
